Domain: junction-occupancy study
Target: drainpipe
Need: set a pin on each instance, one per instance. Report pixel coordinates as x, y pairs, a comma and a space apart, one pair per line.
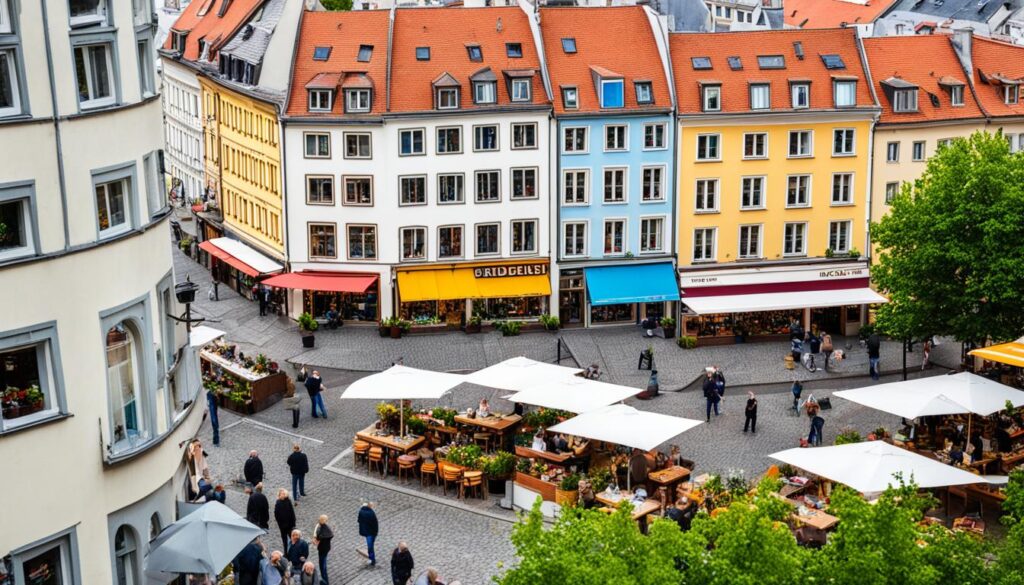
56, 129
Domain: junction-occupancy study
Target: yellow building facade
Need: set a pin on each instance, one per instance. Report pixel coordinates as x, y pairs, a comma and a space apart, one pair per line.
243, 165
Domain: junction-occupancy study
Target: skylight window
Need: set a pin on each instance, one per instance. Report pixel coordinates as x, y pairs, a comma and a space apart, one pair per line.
701, 62
833, 62
735, 63
569, 45
514, 50
475, 52
321, 53
365, 52
771, 61
423, 53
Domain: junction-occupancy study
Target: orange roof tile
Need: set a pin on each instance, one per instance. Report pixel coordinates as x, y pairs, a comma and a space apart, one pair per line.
612, 41
832, 13
447, 32
930, 63
343, 33
747, 46
997, 59
216, 29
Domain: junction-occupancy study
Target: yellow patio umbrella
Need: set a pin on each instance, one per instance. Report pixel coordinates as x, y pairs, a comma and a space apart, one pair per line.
1011, 353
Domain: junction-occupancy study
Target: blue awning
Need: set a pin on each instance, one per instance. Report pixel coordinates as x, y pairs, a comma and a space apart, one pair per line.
632, 283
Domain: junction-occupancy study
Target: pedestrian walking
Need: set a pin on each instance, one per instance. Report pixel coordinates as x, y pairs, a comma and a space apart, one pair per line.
927, 350
322, 536
298, 464
751, 413
720, 386
284, 515
796, 349
797, 389
258, 509
826, 347
315, 387
298, 551
368, 529
275, 569
812, 409
308, 575
292, 401
401, 565
253, 468
710, 393
874, 355
246, 565
264, 297
211, 408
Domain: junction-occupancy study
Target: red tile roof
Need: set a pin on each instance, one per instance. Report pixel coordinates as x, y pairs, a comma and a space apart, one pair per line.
447, 32
748, 45
217, 30
832, 13
995, 59
611, 41
343, 33
930, 63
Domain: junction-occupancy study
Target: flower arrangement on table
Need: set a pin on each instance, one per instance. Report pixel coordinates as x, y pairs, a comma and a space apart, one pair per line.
445, 415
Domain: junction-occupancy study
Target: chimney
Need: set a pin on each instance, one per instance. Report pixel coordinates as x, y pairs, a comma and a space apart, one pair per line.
963, 39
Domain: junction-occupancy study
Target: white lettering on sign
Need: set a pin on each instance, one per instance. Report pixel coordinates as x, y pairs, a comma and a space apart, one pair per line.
839, 273
512, 270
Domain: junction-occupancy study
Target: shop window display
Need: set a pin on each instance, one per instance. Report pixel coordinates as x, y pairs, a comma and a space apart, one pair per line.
613, 313
46, 568
433, 312
510, 308
351, 306
743, 324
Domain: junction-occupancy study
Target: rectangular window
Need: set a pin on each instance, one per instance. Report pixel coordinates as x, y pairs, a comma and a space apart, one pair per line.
413, 190
794, 239
652, 186
1011, 94
487, 239
30, 380
94, 73
615, 137
615, 185
905, 100
448, 98
570, 98
750, 241
488, 186
320, 100
475, 53
575, 187
800, 143
712, 98
365, 53
362, 242
84, 12
322, 240
15, 237
112, 206
845, 93
521, 90
707, 147
569, 45
524, 183
358, 190
891, 190
451, 188
357, 100
752, 193
654, 136
485, 92
411, 142
755, 145
574, 140
485, 138
798, 191
652, 234
644, 95
801, 95
760, 96
842, 189
574, 242
704, 244
514, 50
449, 241
839, 236
449, 140
146, 58
918, 150
843, 140
357, 145
956, 95
524, 236
892, 152
611, 93
614, 237
318, 145
319, 190
423, 53
707, 195
10, 92
414, 243
524, 135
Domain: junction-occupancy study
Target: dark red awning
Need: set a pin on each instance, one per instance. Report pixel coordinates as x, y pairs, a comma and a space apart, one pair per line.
324, 281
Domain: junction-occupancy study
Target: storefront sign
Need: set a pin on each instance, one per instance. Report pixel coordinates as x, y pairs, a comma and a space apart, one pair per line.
512, 270
772, 274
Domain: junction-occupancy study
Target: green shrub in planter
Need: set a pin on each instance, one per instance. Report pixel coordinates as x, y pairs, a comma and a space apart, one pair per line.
848, 435
307, 323
687, 342
445, 415
416, 425
465, 455
508, 328
570, 483
499, 466
550, 322
600, 479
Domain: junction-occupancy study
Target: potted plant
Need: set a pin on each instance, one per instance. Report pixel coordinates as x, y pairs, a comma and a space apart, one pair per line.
508, 328
550, 322
307, 325
474, 323
404, 326
668, 325
388, 415
687, 342
384, 327
445, 415
567, 492
34, 398
415, 425
600, 479
498, 468
393, 329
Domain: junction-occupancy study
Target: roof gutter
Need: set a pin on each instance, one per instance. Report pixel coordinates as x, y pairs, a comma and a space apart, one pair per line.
391, 40
56, 130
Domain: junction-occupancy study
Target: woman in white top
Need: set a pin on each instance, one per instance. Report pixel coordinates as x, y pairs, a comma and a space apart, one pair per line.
538, 441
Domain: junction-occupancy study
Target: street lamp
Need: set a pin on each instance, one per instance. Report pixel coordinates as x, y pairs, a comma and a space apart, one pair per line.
186, 294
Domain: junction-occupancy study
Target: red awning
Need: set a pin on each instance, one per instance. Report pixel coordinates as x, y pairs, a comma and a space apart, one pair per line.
223, 256
324, 281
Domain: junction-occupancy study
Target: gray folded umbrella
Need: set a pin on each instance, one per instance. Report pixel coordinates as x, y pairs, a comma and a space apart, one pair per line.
204, 542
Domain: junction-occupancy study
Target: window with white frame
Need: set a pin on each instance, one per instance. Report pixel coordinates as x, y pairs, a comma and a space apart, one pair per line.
485, 92
126, 555
358, 145
707, 195
86, 12
320, 190
521, 90
755, 145
94, 74
414, 243
449, 241
800, 143
843, 141
411, 142
318, 145
485, 138
760, 96
644, 94
891, 191
905, 100
413, 190
448, 98
31, 381
362, 242
845, 93
488, 186
917, 150
358, 190
708, 147
574, 140
488, 239
752, 193
794, 241
615, 185
612, 93
451, 188
704, 244
16, 237
615, 137
652, 184
956, 95
145, 59
128, 417
614, 237
575, 186
524, 236
524, 135
654, 136
320, 100
323, 240
449, 140
892, 152
574, 240
750, 241
839, 236
524, 183
711, 98
357, 100
112, 206
1011, 94
10, 90
5, 17
842, 189
652, 234
798, 191
801, 95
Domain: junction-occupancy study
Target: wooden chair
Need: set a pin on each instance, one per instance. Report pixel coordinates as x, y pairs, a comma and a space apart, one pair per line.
407, 465
375, 458
428, 470
483, 440
449, 474
360, 449
472, 480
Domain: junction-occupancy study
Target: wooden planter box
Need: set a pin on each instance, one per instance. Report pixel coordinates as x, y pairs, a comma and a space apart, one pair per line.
266, 392
546, 489
425, 329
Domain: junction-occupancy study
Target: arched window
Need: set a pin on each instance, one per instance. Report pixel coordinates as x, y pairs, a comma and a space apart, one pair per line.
128, 426
154, 526
126, 555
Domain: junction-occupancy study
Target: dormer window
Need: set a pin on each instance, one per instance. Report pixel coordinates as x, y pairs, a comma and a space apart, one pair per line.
956, 95
448, 98
357, 100
905, 100
611, 93
845, 93
178, 41
711, 98
570, 98
485, 92
321, 53
320, 100
521, 90
475, 52
801, 95
1011, 94
760, 96
514, 50
644, 94
365, 53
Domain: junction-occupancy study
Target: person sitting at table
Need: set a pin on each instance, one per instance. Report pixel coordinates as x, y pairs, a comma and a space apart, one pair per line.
538, 441
558, 444
587, 496
956, 454
1002, 436
484, 410
977, 447
639, 467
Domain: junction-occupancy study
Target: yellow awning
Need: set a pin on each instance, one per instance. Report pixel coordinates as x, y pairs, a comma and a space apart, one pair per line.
445, 284
1011, 353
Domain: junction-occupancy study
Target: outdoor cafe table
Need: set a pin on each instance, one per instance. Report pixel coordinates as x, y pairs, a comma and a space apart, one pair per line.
669, 477
499, 424
815, 518
640, 511
390, 442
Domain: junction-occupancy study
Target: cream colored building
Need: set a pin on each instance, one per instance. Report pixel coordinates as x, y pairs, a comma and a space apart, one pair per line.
98, 386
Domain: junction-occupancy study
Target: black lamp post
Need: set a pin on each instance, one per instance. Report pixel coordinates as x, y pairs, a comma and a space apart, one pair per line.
186, 294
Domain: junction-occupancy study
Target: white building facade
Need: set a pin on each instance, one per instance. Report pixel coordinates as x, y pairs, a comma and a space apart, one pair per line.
183, 127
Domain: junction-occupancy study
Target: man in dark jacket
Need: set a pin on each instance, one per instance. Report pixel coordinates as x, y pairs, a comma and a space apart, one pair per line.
874, 354
711, 393
368, 529
257, 510
284, 515
401, 565
322, 537
314, 386
247, 564
253, 469
298, 551
298, 464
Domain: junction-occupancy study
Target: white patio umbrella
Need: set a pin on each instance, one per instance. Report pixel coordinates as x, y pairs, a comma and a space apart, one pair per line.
625, 425
403, 383
519, 373
574, 394
871, 466
202, 543
201, 335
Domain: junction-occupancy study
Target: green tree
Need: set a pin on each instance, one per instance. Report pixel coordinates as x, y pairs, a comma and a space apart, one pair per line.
337, 5
951, 259
1010, 568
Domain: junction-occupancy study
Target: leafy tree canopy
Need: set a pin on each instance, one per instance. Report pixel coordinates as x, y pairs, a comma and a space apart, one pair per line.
337, 5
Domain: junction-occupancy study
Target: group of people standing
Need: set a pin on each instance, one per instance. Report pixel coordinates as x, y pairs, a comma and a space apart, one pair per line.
714, 397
